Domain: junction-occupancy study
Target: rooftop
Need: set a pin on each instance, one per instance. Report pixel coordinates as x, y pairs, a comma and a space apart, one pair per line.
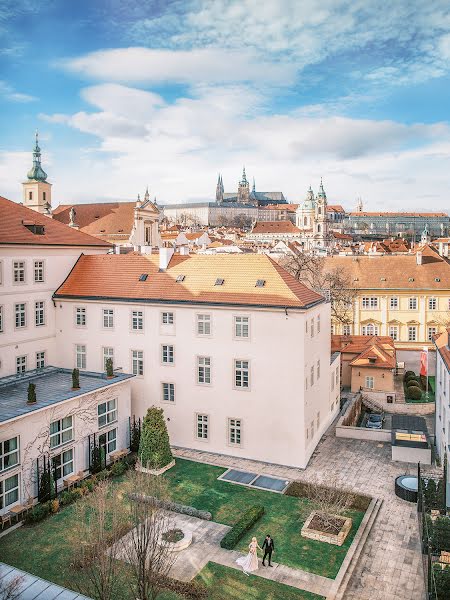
398, 214
53, 385
275, 227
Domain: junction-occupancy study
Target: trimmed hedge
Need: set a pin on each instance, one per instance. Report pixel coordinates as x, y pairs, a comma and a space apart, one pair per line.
182, 509
300, 489
414, 393
240, 528
411, 382
408, 374
194, 590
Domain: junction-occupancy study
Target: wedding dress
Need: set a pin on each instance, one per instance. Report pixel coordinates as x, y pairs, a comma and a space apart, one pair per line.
249, 562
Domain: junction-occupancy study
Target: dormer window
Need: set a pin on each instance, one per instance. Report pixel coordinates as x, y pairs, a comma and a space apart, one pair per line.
219, 281
143, 277
180, 278
260, 283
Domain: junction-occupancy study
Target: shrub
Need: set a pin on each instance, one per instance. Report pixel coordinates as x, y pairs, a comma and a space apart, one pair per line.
38, 513
414, 393
299, 489
31, 393
442, 580
102, 475
240, 528
135, 435
182, 509
98, 459
88, 484
109, 367
130, 460
412, 382
154, 447
194, 590
67, 497
75, 379
408, 374
54, 506
440, 533
118, 468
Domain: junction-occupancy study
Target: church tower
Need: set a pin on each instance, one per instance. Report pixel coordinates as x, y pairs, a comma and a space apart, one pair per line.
219, 190
243, 195
321, 217
37, 192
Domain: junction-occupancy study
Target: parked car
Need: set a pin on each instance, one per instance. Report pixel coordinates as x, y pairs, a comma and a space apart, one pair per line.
374, 421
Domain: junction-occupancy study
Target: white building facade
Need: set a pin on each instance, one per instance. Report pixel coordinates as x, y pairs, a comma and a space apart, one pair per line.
442, 428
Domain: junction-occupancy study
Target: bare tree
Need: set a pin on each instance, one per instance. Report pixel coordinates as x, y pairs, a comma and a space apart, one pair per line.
144, 547
10, 589
333, 283
101, 521
331, 502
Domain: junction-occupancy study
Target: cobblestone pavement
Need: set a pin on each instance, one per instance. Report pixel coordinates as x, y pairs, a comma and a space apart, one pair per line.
390, 565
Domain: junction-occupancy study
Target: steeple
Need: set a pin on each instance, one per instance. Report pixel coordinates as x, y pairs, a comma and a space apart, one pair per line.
36, 173
36, 189
243, 195
321, 193
253, 186
244, 178
146, 195
219, 190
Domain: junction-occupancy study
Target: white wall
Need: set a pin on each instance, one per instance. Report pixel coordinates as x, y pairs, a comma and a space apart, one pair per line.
272, 411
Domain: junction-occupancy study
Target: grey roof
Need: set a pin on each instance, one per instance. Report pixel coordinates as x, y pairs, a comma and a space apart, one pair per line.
53, 385
31, 587
409, 423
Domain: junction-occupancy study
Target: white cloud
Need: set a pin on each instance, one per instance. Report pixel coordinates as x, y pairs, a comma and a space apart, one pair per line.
8, 92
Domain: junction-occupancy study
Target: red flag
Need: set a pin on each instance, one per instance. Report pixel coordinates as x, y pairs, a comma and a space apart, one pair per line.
424, 362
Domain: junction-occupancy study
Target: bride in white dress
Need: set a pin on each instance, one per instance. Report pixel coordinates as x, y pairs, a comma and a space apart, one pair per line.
249, 563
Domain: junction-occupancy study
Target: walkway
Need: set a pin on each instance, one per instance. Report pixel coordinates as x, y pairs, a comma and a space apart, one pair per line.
390, 564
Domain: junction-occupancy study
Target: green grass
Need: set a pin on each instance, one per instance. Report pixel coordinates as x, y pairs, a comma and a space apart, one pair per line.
425, 398
225, 583
196, 484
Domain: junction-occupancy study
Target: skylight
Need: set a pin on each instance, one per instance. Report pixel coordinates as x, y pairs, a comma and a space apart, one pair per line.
143, 277
260, 283
180, 278
219, 281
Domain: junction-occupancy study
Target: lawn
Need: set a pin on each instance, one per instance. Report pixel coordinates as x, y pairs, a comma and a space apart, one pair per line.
225, 583
196, 484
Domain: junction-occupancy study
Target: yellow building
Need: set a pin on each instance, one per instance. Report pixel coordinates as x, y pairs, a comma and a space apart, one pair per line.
405, 296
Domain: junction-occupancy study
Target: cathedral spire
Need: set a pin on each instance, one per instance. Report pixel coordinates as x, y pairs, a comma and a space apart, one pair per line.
146, 195
244, 177
219, 189
36, 173
253, 186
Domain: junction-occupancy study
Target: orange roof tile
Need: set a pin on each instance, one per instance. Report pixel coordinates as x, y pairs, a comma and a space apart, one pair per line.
14, 219
398, 214
374, 356
275, 227
442, 342
117, 277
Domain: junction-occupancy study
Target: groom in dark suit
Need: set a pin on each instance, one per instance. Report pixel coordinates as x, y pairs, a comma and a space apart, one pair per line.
268, 547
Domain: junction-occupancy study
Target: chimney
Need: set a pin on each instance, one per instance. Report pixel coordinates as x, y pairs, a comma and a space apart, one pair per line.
419, 257
117, 249
165, 254
184, 250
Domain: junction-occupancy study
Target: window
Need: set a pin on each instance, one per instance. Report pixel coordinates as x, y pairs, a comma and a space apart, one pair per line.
318, 420
318, 323
168, 354
331, 329
20, 312
432, 303
167, 318
80, 356
40, 360
370, 302
39, 313
241, 374
346, 329
412, 333
393, 303
21, 364
369, 329
431, 332
202, 427
312, 429
9, 491
108, 441
63, 464
38, 271
108, 352
203, 369
241, 327
204, 324
1, 319
393, 332
108, 318
137, 320
61, 432
168, 390
80, 316
9, 453
312, 328
234, 432
107, 412
369, 383
318, 369
311, 378
137, 359
306, 379
19, 271
412, 303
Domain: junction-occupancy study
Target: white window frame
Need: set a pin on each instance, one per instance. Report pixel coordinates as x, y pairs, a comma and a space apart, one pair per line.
39, 271
19, 272
1, 318
4, 494
107, 413
67, 458
167, 354
40, 359
110, 444
80, 356
202, 427
80, 316
107, 352
107, 318
412, 333
241, 325
394, 332
318, 370
204, 370
432, 303
21, 363
168, 392
234, 432
167, 318
412, 303
137, 362
137, 320
20, 315
369, 302
64, 434
9, 453
203, 324
369, 326
346, 329
39, 313
242, 374
369, 382
431, 330
312, 327
318, 323
394, 303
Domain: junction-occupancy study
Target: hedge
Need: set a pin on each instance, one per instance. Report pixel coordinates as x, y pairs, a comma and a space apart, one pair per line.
414, 393
174, 507
300, 489
412, 382
194, 590
240, 528
408, 374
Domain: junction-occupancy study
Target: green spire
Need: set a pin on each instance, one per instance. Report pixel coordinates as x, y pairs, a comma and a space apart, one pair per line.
37, 173
244, 177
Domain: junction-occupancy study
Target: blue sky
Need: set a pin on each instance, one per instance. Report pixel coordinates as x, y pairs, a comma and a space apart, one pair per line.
169, 93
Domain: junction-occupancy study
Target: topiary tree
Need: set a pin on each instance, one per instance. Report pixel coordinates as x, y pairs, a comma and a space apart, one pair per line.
154, 447
109, 367
414, 393
408, 374
31, 393
75, 379
412, 382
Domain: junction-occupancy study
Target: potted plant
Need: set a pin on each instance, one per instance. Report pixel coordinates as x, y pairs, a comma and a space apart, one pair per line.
31, 393
75, 379
109, 368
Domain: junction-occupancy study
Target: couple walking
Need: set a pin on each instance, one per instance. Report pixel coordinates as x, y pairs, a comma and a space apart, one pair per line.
249, 563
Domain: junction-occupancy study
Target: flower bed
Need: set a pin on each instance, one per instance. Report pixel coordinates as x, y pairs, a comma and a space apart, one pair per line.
320, 529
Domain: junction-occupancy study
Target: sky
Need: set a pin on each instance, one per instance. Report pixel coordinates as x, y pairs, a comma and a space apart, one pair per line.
170, 93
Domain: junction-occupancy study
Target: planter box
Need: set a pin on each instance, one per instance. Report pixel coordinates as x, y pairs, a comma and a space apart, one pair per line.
321, 536
139, 467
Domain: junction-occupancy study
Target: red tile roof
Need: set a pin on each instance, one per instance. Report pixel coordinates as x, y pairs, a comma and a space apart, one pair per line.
335, 208
355, 344
102, 219
442, 341
14, 219
117, 277
275, 227
397, 214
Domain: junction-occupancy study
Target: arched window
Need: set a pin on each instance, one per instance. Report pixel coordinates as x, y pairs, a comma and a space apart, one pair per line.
305, 221
369, 329
320, 210
318, 228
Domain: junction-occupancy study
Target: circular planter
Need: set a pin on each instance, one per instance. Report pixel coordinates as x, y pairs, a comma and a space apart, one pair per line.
406, 487
182, 544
